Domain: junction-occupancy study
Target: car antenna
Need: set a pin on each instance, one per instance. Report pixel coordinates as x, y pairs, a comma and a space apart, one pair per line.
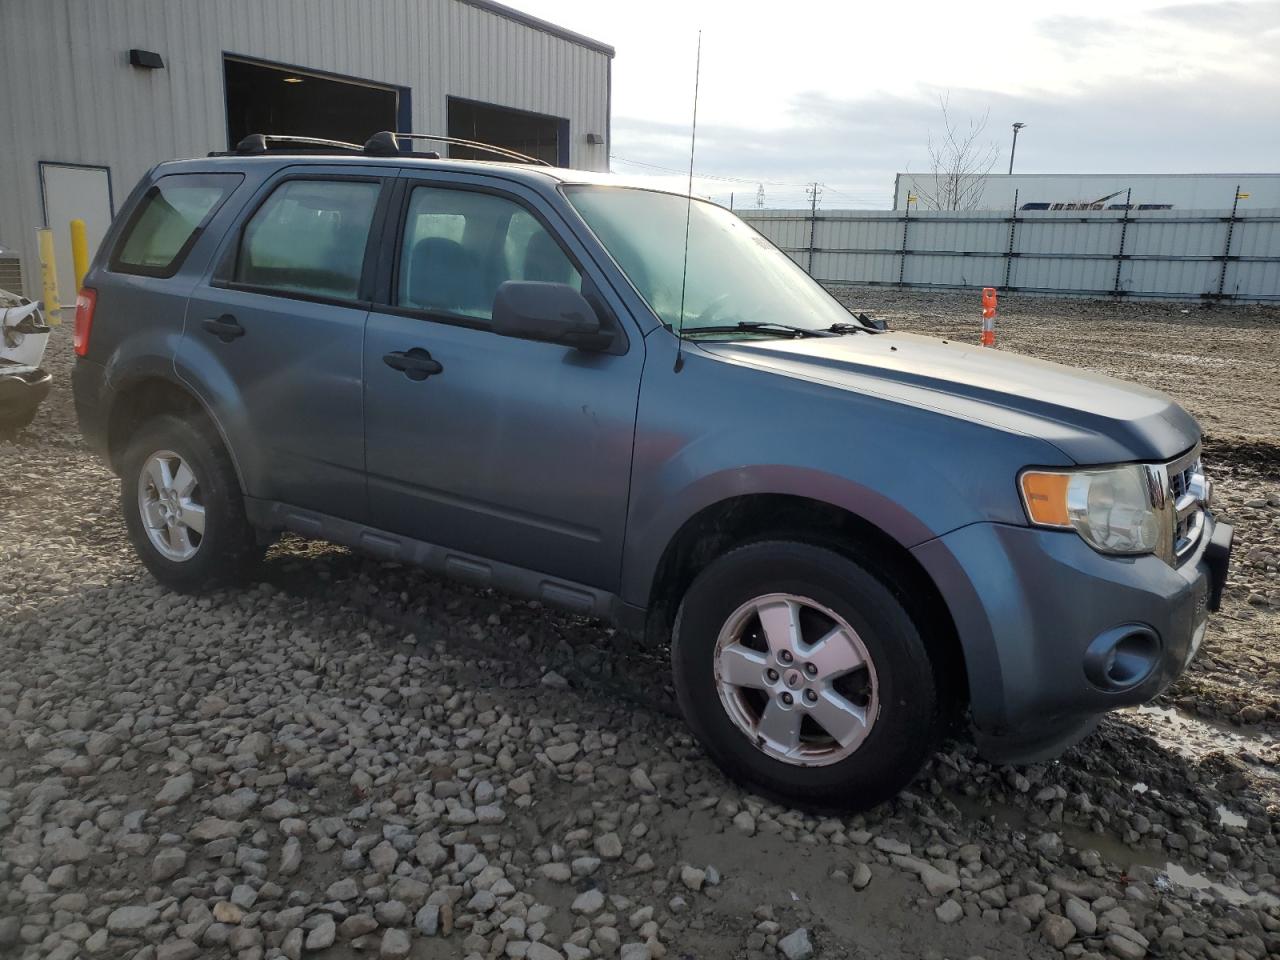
688, 210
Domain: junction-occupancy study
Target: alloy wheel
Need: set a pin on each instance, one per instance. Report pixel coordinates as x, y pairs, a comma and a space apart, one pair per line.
171, 505
796, 679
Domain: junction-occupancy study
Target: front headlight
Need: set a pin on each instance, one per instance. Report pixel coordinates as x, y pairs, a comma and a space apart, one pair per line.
1111, 508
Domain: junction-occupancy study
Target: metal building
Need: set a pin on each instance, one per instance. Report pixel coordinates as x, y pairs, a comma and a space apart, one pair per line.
95, 92
1076, 191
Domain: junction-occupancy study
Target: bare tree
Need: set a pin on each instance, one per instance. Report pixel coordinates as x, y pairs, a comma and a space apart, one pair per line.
960, 158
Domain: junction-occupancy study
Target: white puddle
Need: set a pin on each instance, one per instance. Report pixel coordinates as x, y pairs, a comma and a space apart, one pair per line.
1194, 737
1229, 818
1199, 882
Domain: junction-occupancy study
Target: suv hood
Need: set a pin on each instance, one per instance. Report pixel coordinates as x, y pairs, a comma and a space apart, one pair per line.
1091, 418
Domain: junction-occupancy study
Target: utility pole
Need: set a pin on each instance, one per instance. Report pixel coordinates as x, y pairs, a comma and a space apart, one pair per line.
759, 196
1013, 149
815, 191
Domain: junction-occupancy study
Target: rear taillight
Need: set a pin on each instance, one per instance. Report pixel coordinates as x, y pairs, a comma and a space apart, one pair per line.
85, 302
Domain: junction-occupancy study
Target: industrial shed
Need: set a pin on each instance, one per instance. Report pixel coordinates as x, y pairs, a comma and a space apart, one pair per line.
98, 91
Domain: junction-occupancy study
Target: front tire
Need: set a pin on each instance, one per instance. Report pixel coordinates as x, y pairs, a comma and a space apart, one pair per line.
804, 677
183, 506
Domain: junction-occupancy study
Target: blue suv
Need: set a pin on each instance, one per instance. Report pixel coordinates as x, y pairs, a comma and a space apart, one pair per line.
628, 404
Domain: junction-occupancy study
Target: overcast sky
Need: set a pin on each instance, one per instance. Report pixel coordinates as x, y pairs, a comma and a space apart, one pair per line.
846, 92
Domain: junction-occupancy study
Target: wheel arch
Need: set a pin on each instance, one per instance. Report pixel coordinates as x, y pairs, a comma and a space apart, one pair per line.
740, 520
148, 395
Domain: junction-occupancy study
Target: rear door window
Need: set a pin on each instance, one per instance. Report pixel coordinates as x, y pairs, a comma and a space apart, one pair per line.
167, 222
309, 238
459, 246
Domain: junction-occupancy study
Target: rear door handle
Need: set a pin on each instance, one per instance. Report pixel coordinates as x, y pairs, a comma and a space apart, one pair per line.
416, 364
226, 327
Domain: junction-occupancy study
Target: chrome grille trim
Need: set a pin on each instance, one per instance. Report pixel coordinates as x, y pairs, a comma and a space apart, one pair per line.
1186, 490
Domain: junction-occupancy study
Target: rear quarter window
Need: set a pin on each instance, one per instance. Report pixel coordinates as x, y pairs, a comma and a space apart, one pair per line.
168, 220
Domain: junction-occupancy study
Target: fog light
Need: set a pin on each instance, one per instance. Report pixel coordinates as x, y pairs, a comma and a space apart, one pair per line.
1123, 657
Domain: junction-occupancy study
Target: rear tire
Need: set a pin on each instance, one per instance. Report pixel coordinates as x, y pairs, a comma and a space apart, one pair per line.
778, 649
183, 506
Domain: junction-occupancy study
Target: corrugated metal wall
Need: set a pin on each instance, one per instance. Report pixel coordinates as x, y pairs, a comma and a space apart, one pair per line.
67, 93
1167, 254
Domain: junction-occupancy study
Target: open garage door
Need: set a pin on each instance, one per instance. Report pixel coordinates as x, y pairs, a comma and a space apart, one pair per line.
266, 98
534, 134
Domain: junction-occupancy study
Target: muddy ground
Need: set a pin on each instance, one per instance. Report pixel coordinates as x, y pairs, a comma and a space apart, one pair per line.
353, 758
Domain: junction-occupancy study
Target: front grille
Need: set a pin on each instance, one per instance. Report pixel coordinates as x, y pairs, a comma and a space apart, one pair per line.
1187, 492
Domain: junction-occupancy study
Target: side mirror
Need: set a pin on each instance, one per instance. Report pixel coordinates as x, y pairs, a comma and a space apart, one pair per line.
547, 312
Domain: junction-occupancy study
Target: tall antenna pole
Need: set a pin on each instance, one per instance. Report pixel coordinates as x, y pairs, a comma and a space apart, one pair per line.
688, 210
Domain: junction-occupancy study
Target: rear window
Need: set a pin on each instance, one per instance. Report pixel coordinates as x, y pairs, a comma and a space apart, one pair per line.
168, 220
309, 238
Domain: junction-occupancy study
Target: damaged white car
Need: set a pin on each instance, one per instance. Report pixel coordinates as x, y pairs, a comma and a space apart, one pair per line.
23, 384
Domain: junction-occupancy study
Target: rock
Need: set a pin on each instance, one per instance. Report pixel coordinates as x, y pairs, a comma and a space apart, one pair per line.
290, 857
562, 752
383, 857
323, 935
178, 950
588, 903
1125, 948
540, 951
891, 846
796, 945
937, 882
129, 921
949, 911
226, 912
176, 789
1081, 916
640, 780
70, 850
1056, 931
395, 945
1050, 844
692, 877
427, 920
745, 822
357, 925
558, 872
344, 889
860, 877
168, 863
609, 846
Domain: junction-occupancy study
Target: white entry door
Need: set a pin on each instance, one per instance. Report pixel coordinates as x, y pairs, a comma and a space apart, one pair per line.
71, 192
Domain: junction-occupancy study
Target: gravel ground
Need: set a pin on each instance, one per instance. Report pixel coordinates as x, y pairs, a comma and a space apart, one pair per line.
352, 758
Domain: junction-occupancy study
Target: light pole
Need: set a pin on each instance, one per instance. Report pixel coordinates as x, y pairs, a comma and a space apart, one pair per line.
1012, 149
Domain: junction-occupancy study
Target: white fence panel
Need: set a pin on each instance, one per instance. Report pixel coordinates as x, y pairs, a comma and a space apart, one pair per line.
1167, 254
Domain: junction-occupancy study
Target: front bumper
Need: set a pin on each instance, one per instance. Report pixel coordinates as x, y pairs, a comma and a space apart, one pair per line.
1033, 608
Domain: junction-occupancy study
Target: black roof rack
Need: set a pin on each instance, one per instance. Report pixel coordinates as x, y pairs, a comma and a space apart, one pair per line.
262, 142
382, 144
386, 143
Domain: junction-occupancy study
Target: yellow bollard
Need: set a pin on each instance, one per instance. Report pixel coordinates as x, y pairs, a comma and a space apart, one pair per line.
49, 277
79, 251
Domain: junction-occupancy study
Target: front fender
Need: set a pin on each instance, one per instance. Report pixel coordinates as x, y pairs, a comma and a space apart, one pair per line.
711, 430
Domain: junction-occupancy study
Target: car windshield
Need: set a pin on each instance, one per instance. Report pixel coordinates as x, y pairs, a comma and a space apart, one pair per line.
735, 276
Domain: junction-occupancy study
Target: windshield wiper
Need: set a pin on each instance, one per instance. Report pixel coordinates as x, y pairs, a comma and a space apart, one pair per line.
865, 324
756, 326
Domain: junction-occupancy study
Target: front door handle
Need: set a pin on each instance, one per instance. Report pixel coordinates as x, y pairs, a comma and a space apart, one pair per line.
226, 327
416, 364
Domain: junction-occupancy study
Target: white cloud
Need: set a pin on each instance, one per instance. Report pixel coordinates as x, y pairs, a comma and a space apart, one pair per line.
846, 93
